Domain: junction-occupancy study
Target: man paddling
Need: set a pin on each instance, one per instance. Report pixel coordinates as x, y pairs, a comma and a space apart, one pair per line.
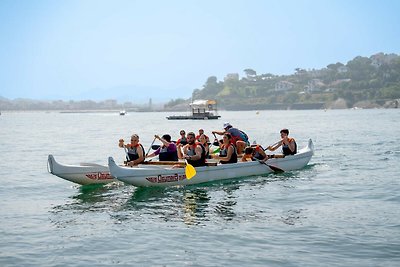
289, 146
194, 153
134, 150
239, 138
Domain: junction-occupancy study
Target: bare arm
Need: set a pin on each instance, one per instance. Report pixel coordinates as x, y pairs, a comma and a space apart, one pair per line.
218, 132
274, 147
197, 154
165, 142
228, 154
179, 148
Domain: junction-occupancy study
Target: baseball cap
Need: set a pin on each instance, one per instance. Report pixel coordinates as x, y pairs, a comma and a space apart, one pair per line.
227, 124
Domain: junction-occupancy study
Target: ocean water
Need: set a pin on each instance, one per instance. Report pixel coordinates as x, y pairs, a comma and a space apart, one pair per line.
343, 209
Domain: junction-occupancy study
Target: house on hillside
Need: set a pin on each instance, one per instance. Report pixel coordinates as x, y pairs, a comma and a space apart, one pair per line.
314, 85
282, 86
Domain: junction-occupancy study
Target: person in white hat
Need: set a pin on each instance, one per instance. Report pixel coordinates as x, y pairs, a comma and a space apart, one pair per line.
239, 138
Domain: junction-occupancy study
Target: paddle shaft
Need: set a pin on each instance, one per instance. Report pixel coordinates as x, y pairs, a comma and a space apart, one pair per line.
273, 168
274, 144
150, 147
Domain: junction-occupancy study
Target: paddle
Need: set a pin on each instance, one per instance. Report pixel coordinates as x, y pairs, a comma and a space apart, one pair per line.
274, 144
127, 155
216, 143
155, 147
190, 171
151, 146
274, 168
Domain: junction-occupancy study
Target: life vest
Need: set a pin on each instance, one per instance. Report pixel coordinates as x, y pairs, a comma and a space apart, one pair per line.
133, 152
191, 152
286, 150
224, 152
182, 141
257, 155
166, 155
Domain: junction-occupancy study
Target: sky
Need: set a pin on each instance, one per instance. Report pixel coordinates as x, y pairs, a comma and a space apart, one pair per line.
135, 50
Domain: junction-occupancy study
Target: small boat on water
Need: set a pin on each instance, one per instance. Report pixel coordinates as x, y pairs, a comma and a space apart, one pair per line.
201, 110
169, 176
159, 173
83, 174
122, 112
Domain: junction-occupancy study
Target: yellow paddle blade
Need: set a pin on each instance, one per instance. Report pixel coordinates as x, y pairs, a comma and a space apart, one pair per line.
190, 171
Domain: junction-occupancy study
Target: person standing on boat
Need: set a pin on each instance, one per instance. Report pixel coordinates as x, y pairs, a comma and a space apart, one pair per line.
135, 151
289, 146
239, 138
166, 152
228, 153
193, 152
183, 139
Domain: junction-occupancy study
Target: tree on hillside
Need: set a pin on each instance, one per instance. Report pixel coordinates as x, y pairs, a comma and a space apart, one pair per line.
210, 89
360, 68
250, 73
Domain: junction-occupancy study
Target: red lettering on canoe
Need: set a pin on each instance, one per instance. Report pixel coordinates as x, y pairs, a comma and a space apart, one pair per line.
166, 178
99, 176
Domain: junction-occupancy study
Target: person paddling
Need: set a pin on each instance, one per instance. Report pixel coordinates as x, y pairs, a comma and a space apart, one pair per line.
193, 152
253, 153
289, 146
228, 152
166, 152
239, 138
183, 139
135, 150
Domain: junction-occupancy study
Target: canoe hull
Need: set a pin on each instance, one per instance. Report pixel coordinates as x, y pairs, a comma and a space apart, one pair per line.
161, 176
83, 175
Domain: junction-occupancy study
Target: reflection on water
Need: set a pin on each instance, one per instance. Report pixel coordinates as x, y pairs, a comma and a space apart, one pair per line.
195, 206
192, 205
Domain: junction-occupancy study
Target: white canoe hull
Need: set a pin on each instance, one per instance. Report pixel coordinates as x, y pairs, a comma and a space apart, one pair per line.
162, 176
80, 174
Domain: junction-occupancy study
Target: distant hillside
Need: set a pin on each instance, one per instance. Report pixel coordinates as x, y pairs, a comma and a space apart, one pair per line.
367, 81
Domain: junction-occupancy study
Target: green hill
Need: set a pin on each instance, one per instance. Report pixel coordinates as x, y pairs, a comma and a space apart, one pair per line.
368, 81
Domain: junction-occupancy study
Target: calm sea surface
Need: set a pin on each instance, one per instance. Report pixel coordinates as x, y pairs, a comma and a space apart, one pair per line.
343, 209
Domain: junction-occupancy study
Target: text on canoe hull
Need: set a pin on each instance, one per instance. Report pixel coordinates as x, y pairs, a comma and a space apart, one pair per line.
99, 176
166, 178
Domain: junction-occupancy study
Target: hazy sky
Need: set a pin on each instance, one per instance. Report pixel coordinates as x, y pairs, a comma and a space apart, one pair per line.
80, 49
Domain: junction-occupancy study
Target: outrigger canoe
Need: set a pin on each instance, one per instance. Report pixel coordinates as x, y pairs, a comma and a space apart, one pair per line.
92, 173
84, 174
169, 176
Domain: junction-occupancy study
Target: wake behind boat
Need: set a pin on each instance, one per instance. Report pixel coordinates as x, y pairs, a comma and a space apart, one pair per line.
168, 176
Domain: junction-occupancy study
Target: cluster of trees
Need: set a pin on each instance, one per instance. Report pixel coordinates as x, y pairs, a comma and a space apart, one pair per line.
361, 79
29, 104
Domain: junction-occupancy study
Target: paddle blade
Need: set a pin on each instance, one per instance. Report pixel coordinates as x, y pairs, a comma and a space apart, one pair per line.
190, 171
216, 150
275, 169
155, 147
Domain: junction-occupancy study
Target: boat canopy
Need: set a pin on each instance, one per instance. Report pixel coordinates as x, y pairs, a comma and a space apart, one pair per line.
200, 103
